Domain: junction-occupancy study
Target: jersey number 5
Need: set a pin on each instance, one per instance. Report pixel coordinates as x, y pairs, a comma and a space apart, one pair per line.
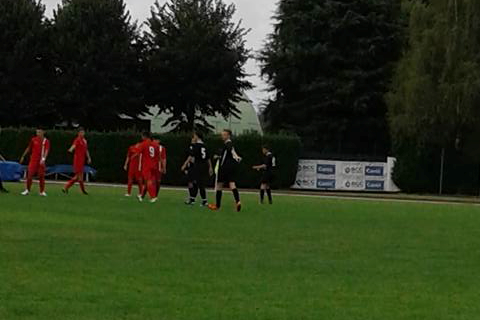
204, 153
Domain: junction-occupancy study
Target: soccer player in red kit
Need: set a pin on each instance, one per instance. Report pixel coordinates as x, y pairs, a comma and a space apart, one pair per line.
162, 165
150, 159
80, 152
38, 148
132, 166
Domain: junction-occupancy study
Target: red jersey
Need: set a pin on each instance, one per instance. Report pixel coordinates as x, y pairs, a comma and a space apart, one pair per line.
134, 158
81, 148
150, 155
39, 148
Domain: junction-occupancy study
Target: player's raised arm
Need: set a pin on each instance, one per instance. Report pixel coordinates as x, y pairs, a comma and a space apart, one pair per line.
2, 158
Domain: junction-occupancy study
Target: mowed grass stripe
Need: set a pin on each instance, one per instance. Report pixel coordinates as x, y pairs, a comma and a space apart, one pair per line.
109, 257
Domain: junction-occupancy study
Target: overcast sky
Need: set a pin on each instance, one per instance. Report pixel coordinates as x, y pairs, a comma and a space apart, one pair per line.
256, 15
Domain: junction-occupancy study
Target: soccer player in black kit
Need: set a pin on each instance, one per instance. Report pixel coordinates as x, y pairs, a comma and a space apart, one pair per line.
226, 175
200, 169
267, 168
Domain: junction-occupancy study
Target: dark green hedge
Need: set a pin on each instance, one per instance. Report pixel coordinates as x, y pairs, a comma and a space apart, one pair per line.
108, 150
417, 170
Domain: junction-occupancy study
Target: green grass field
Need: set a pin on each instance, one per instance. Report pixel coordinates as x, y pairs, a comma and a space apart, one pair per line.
107, 257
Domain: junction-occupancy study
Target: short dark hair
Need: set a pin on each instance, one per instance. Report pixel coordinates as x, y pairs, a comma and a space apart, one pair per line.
81, 129
146, 134
228, 131
198, 134
266, 146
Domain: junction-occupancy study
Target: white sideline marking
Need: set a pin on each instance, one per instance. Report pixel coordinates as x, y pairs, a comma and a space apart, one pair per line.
322, 196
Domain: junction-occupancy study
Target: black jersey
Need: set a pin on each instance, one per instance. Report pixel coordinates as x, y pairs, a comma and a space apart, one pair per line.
227, 158
269, 161
199, 152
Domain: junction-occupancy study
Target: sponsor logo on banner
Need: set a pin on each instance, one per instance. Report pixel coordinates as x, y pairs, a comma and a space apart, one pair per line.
374, 171
326, 183
326, 169
375, 185
306, 168
306, 183
353, 169
353, 184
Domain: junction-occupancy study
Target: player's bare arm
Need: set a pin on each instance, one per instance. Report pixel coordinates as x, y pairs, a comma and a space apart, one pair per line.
210, 167
2, 158
164, 166
89, 159
72, 148
236, 156
44, 159
127, 161
260, 167
185, 164
25, 153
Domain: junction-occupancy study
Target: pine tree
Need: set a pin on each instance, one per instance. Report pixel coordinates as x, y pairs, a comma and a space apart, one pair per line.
329, 63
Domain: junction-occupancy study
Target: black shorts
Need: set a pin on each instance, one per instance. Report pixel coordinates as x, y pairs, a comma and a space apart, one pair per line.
190, 174
267, 177
200, 174
227, 174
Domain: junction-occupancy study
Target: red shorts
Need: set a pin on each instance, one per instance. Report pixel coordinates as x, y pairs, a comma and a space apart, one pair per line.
78, 167
35, 168
135, 175
149, 174
158, 176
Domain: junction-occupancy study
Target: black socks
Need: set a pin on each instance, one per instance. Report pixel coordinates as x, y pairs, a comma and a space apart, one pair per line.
219, 198
236, 195
269, 194
262, 195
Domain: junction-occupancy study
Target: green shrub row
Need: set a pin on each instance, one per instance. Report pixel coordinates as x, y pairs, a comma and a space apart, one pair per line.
108, 151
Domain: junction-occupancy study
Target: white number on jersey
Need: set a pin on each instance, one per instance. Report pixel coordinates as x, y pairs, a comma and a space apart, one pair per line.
274, 162
151, 150
204, 153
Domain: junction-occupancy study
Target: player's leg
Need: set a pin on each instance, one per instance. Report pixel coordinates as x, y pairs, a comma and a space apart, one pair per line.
269, 193
130, 181
151, 187
192, 186
2, 188
236, 195
203, 192
141, 184
219, 194
202, 183
70, 183
31, 171
81, 182
262, 192
41, 179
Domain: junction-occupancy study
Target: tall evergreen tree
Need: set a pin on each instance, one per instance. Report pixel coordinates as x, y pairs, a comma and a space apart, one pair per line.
329, 63
25, 69
98, 61
195, 60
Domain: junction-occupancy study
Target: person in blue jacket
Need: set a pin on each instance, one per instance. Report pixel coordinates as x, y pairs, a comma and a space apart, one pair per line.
2, 189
